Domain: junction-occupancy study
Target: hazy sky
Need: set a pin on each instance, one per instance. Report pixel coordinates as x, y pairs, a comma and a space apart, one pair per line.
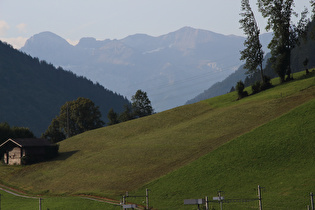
116, 19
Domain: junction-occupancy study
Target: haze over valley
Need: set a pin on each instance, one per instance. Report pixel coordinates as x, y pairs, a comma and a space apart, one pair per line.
171, 68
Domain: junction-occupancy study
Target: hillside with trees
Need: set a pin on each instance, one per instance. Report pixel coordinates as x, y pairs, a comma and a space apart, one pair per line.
248, 140
6, 132
32, 91
228, 83
192, 151
300, 55
75, 117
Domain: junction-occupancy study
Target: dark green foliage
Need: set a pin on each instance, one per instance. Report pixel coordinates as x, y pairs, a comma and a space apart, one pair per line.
259, 86
83, 115
280, 63
266, 83
112, 117
54, 132
32, 91
240, 90
141, 105
75, 117
305, 51
126, 114
20, 132
279, 14
297, 34
286, 35
7, 132
256, 87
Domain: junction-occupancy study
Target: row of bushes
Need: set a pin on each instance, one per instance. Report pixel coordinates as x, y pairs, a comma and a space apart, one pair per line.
257, 87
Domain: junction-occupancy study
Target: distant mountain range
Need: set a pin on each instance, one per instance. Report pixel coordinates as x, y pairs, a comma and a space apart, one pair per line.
32, 91
171, 68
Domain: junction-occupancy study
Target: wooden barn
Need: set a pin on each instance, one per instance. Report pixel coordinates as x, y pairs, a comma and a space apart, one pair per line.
26, 151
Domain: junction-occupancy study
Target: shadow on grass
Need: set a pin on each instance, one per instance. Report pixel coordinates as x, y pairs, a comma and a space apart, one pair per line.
65, 155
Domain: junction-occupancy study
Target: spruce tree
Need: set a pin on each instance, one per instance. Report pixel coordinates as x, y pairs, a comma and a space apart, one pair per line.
112, 117
141, 104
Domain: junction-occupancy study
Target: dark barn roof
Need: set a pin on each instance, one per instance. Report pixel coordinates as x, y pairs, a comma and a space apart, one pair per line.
30, 142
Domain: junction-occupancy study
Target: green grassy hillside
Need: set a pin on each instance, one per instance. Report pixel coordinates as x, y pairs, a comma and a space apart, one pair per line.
124, 157
279, 156
10, 202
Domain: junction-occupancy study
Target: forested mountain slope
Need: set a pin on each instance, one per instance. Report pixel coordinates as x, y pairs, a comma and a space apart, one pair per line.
33, 91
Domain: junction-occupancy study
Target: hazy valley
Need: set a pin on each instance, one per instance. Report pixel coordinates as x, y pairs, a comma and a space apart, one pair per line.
171, 68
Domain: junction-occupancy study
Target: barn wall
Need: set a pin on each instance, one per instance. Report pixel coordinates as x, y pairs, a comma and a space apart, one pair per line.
15, 156
5, 158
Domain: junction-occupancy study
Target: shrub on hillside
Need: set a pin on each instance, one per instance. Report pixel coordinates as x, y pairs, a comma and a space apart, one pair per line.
232, 89
259, 86
256, 87
240, 90
266, 84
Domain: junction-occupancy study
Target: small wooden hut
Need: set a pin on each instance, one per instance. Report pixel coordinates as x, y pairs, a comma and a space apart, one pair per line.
25, 151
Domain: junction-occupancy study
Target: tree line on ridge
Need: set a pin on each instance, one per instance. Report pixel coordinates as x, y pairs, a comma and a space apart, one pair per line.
286, 37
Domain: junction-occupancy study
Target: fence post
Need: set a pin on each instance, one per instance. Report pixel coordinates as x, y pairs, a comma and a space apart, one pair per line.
207, 203
259, 197
220, 200
147, 198
0, 201
312, 201
40, 204
124, 200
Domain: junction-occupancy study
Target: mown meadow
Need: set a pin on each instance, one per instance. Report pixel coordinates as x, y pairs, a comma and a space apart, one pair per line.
191, 152
9, 202
279, 156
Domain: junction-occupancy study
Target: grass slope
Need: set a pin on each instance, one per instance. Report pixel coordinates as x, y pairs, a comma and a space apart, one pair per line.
120, 158
278, 155
9, 202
